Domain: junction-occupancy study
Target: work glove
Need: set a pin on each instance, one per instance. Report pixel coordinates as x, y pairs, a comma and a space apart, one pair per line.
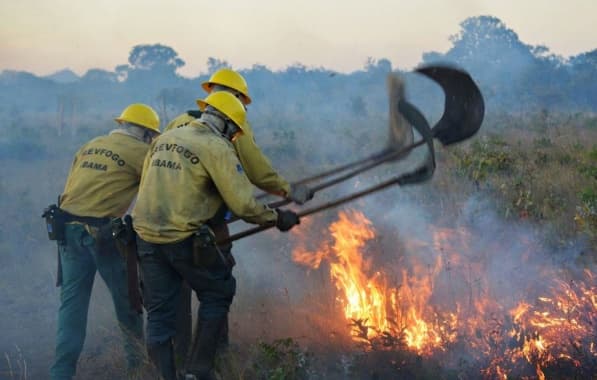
286, 219
300, 194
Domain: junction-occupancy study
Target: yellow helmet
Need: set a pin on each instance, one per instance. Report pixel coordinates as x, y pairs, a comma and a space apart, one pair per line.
231, 79
227, 104
142, 115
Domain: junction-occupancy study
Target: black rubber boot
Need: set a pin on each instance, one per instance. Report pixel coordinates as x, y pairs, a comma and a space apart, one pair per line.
162, 357
201, 360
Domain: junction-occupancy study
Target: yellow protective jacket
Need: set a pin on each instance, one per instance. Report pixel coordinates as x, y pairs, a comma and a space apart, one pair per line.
256, 165
104, 176
188, 174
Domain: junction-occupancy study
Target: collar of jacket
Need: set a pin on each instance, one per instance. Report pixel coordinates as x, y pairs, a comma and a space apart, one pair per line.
127, 133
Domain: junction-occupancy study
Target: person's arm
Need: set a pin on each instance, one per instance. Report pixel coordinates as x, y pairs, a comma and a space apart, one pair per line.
236, 190
258, 167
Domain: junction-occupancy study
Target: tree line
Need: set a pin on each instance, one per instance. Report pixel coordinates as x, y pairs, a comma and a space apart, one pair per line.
514, 77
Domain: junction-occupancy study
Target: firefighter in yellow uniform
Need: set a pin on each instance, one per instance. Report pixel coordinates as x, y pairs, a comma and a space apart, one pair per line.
258, 169
257, 166
189, 174
101, 185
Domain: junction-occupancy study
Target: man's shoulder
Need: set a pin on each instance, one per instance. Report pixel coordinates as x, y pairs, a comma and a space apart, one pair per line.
94, 142
209, 138
124, 140
206, 140
248, 130
195, 134
182, 120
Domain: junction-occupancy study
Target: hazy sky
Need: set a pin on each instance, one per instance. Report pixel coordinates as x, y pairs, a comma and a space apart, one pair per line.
43, 36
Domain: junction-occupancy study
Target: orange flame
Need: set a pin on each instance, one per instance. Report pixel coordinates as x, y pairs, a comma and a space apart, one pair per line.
375, 308
413, 309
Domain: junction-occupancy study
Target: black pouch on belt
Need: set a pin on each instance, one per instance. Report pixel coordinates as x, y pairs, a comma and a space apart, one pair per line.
205, 252
55, 221
102, 234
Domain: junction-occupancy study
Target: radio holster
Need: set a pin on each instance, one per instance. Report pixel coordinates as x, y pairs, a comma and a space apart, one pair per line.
55, 221
125, 239
206, 253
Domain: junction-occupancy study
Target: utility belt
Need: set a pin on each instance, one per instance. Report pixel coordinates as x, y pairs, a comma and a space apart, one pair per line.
57, 218
122, 231
56, 221
107, 233
89, 220
206, 252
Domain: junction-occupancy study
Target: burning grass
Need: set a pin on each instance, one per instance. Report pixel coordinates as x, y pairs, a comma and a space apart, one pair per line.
446, 304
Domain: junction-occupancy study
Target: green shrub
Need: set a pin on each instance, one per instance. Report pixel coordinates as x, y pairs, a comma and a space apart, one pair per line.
282, 359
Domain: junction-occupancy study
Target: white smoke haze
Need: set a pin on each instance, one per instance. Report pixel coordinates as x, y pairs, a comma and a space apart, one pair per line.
483, 258
279, 298
306, 121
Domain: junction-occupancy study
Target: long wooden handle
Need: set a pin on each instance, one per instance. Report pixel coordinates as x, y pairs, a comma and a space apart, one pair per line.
380, 159
335, 203
335, 170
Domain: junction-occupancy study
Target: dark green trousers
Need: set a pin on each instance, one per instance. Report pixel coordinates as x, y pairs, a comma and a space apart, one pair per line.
80, 261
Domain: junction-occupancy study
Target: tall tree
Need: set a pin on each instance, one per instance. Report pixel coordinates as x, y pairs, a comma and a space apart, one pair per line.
505, 67
215, 64
151, 63
150, 68
486, 47
583, 69
154, 57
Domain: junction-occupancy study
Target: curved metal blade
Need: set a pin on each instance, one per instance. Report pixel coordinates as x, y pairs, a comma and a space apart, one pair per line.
418, 121
464, 105
422, 173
